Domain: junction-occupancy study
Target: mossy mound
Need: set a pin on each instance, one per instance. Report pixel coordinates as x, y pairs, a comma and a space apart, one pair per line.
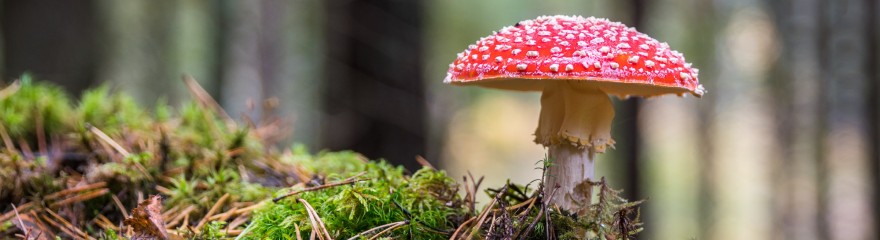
81, 170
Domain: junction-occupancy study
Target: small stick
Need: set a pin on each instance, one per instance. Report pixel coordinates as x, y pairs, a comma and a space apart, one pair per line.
80, 198
424, 162
485, 212
10, 214
238, 221
6, 139
298, 235
9, 90
180, 216
460, 227
120, 206
23, 228
248, 209
59, 226
205, 99
75, 189
213, 210
103, 136
347, 181
66, 223
105, 223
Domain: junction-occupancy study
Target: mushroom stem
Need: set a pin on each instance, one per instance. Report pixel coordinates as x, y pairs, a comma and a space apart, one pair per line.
575, 124
570, 170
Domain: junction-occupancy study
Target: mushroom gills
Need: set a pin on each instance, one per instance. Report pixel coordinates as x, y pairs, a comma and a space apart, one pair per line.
575, 114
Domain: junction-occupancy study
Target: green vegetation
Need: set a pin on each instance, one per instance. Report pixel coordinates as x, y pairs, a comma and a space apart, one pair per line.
77, 170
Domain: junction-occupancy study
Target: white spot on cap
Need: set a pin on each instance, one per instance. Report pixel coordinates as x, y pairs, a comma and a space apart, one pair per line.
597, 40
623, 45
531, 42
673, 60
515, 51
521, 66
545, 40
684, 76
633, 59
532, 54
518, 40
499, 59
474, 56
624, 38
570, 36
604, 49
569, 67
484, 48
649, 63
660, 59
554, 67
555, 50
644, 46
460, 55
700, 90
459, 67
544, 33
472, 46
580, 53
582, 43
597, 64
614, 65
485, 57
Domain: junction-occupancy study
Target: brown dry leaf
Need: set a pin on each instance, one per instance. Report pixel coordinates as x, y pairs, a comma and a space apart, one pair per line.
146, 220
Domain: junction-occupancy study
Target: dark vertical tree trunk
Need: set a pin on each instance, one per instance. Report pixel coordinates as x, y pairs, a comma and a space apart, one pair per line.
826, 23
629, 127
373, 90
53, 39
873, 103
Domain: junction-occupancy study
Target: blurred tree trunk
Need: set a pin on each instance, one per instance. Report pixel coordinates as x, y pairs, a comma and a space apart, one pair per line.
373, 97
630, 141
844, 151
873, 103
799, 103
55, 40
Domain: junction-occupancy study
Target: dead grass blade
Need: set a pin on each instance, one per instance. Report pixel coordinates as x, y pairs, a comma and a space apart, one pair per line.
317, 223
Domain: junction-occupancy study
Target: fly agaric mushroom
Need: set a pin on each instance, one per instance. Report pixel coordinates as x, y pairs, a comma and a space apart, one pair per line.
576, 63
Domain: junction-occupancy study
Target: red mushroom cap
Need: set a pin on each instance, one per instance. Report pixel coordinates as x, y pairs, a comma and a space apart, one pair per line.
617, 59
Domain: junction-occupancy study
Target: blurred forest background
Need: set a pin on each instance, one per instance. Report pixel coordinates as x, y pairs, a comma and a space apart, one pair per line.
783, 146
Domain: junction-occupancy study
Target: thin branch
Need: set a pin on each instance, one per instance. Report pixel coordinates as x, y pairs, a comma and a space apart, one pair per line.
75, 190
347, 181
213, 210
81, 198
23, 228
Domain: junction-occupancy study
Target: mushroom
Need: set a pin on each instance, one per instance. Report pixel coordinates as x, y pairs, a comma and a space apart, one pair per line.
576, 63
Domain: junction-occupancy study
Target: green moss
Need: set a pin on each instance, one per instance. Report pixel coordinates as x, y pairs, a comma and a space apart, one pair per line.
35, 103
427, 201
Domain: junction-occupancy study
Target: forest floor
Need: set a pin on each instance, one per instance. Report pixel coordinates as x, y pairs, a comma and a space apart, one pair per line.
106, 168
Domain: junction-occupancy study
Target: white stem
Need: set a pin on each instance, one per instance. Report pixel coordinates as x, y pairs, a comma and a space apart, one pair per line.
570, 170
575, 124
